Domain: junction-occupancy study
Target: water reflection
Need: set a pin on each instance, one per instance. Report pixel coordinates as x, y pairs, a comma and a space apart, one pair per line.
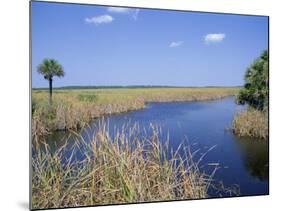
255, 157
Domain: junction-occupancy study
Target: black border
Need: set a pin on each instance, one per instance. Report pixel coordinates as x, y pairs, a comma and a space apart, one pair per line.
147, 8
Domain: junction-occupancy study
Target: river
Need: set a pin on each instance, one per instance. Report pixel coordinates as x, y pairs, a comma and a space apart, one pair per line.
242, 162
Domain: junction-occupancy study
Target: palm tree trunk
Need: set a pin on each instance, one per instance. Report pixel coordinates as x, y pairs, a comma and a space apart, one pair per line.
50, 92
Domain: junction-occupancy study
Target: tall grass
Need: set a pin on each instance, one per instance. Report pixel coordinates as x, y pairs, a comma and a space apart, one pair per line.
121, 169
252, 123
73, 109
87, 97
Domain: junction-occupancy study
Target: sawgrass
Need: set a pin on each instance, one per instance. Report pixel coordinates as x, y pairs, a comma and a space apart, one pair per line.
125, 168
251, 123
73, 109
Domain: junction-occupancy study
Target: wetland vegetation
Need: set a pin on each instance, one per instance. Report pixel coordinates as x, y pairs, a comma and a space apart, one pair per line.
123, 112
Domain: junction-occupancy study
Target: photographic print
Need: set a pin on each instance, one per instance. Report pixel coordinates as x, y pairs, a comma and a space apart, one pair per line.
134, 105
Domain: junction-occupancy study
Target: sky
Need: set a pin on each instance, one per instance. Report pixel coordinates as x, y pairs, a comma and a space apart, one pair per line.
115, 46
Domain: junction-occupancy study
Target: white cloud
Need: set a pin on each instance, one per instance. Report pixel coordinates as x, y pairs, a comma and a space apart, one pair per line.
214, 38
175, 44
118, 9
99, 19
122, 10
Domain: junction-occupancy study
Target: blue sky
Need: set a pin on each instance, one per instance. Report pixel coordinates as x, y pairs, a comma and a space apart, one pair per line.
106, 46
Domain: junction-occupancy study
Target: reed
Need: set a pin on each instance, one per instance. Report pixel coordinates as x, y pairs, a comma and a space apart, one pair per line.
73, 109
252, 123
125, 168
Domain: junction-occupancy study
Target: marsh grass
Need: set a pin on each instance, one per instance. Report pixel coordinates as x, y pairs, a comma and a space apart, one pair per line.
87, 97
73, 109
125, 168
251, 123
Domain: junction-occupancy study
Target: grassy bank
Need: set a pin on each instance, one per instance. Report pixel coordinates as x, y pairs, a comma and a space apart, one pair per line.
73, 109
251, 123
123, 169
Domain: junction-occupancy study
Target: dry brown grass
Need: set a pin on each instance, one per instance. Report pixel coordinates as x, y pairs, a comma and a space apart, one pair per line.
251, 123
73, 109
126, 168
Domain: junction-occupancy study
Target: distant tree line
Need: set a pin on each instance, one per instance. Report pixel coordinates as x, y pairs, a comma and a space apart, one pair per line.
132, 87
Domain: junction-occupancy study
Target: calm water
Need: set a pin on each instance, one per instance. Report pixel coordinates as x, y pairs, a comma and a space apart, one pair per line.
203, 125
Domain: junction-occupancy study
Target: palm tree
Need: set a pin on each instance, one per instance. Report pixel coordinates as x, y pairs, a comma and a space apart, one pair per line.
50, 68
256, 88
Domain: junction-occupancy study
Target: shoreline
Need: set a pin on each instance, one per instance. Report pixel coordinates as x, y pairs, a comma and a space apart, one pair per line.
145, 106
69, 112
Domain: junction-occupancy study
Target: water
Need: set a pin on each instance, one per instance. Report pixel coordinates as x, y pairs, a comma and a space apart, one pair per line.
243, 162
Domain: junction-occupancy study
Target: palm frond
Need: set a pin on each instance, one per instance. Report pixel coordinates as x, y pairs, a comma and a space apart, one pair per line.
50, 68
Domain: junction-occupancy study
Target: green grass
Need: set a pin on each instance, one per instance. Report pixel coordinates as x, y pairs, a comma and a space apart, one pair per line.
87, 97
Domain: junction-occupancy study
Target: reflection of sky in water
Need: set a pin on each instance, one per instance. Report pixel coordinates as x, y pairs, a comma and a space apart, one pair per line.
201, 125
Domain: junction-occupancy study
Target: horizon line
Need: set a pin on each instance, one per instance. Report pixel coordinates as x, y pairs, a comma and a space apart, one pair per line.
133, 86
